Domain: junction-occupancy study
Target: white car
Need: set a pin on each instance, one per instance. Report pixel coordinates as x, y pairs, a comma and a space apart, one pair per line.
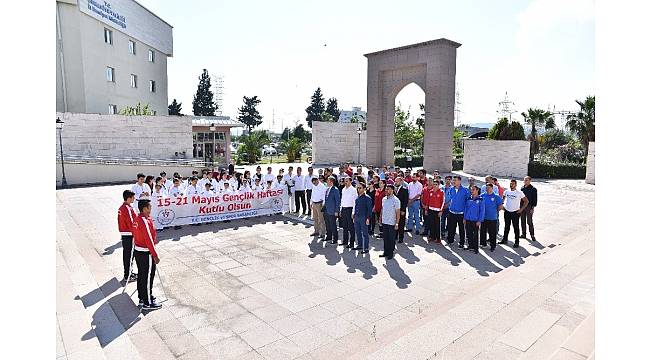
269, 150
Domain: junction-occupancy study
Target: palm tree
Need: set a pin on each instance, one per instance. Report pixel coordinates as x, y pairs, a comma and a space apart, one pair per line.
293, 147
535, 118
251, 145
583, 124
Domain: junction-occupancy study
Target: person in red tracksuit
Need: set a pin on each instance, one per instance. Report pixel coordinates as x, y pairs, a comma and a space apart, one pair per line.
125, 218
144, 233
433, 199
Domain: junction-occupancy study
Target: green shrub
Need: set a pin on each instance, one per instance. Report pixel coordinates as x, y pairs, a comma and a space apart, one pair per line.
401, 161
505, 130
457, 164
547, 170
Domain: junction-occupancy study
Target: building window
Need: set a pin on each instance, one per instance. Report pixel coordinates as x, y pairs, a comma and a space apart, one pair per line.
220, 136
110, 74
131, 47
112, 109
108, 36
134, 81
152, 56
152, 86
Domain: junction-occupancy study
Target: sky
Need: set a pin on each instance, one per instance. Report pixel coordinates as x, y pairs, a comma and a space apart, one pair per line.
541, 51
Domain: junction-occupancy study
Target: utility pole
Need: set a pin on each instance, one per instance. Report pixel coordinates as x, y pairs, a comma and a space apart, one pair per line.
506, 108
457, 105
563, 116
218, 94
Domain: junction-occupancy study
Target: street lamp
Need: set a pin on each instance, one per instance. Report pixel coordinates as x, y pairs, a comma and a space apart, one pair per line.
59, 127
359, 143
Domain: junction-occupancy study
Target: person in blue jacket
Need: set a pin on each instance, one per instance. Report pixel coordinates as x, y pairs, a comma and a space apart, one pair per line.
361, 218
456, 198
474, 216
331, 207
493, 204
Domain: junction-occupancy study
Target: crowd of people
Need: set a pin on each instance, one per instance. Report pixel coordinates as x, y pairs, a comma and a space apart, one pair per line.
382, 203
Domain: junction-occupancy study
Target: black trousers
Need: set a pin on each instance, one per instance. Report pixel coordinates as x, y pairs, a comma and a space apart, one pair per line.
527, 217
454, 220
389, 239
511, 217
127, 245
432, 223
332, 232
489, 227
472, 234
400, 226
308, 201
146, 273
373, 223
299, 198
347, 225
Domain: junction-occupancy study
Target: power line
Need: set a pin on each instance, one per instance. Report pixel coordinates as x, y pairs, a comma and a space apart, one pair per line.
506, 108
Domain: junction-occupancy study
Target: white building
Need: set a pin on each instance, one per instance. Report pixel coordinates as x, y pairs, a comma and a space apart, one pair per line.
109, 55
346, 115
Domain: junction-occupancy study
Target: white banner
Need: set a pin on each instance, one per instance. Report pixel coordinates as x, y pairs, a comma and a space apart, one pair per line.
196, 209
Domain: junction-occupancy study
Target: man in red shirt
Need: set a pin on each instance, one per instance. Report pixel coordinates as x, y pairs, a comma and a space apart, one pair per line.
144, 233
125, 218
433, 199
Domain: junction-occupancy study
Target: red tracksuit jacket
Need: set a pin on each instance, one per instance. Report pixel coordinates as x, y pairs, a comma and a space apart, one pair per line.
432, 199
144, 235
125, 218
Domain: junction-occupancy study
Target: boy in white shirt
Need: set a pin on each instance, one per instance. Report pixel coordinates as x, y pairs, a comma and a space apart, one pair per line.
268, 176
193, 188
141, 190
176, 190
257, 186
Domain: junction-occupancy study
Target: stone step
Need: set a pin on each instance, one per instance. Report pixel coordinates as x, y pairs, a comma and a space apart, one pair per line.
581, 343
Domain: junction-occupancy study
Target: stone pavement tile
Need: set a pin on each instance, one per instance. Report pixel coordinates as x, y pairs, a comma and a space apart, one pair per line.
547, 344
182, 344
255, 302
505, 318
196, 354
321, 296
151, 347
170, 328
271, 312
333, 349
85, 354
571, 320
60, 348
340, 306
211, 333
242, 323
309, 339
397, 352
290, 324
297, 303
361, 317
281, 350
225, 312
316, 314
528, 330
582, 341
229, 348
336, 328
121, 348
76, 332
499, 351
508, 291
400, 298
564, 354
379, 290
381, 307
251, 278
261, 335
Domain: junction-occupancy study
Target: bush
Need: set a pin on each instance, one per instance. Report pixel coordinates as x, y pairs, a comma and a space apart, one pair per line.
505, 130
547, 170
457, 164
401, 161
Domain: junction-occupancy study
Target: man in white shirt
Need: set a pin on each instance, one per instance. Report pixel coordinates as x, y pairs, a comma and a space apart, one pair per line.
268, 176
415, 192
348, 197
288, 180
515, 203
308, 187
208, 190
227, 189
317, 197
175, 190
299, 191
141, 190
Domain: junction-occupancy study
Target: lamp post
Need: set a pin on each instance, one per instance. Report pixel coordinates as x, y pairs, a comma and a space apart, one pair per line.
59, 127
359, 143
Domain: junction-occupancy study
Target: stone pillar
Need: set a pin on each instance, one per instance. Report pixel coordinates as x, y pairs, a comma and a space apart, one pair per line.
591, 164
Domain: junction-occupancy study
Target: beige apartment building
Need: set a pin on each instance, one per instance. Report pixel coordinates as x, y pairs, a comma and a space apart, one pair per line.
110, 54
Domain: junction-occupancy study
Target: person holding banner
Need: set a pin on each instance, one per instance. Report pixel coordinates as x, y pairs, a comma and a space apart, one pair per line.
176, 190
281, 184
332, 204
145, 254
125, 218
193, 188
268, 176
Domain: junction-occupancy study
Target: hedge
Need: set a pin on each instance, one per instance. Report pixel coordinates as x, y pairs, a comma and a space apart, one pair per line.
401, 161
546, 170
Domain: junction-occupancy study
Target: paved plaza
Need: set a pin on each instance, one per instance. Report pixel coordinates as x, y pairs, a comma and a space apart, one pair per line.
262, 288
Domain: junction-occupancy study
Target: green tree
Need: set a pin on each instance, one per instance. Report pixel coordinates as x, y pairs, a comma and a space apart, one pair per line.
333, 108
554, 138
457, 149
293, 147
203, 103
136, 110
535, 118
248, 113
285, 134
175, 108
505, 130
301, 133
420, 119
407, 135
583, 124
327, 117
250, 147
316, 108
357, 118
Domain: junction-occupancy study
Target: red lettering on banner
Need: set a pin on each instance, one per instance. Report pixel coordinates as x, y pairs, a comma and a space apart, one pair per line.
196, 199
237, 206
211, 209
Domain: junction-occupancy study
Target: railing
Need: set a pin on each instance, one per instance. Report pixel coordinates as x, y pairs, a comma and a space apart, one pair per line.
109, 160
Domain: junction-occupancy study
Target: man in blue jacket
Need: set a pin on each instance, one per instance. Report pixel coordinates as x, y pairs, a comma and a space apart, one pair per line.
474, 215
457, 201
331, 210
361, 219
493, 204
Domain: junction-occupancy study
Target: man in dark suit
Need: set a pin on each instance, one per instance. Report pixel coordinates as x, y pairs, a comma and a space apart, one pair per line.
331, 207
402, 194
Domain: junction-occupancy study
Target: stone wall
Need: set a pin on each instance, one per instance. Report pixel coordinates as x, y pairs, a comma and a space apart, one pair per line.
506, 158
591, 164
335, 143
150, 137
81, 174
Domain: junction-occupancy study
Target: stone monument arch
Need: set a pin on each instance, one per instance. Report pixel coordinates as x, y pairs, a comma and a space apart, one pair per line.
432, 66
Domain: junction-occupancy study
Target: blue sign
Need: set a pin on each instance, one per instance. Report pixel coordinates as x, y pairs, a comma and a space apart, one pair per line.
105, 10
